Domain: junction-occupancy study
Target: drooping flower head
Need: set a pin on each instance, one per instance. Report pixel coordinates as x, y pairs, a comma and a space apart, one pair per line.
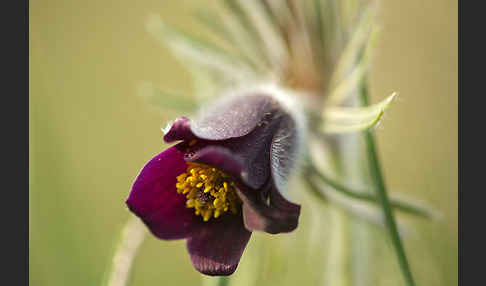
225, 177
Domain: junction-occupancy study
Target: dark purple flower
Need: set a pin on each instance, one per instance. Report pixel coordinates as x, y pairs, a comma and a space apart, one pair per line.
222, 180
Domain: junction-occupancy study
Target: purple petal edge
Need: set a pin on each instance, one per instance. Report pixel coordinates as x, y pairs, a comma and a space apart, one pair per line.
278, 216
155, 200
218, 157
228, 117
179, 130
217, 247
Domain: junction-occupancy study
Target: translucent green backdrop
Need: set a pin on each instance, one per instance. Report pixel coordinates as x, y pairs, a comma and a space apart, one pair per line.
90, 134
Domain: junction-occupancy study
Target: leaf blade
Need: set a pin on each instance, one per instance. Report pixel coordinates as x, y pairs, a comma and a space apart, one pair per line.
191, 51
354, 119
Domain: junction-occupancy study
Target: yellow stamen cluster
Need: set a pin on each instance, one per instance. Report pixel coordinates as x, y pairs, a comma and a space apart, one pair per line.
208, 190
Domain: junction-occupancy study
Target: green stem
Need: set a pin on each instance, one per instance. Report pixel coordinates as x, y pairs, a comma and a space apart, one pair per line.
395, 203
377, 178
223, 281
215, 281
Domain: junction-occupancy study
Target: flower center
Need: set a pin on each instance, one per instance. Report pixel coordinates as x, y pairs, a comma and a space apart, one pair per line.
208, 190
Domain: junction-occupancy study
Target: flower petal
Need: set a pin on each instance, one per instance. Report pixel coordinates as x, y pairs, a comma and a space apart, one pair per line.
219, 157
246, 158
283, 153
276, 216
217, 247
179, 130
230, 117
155, 200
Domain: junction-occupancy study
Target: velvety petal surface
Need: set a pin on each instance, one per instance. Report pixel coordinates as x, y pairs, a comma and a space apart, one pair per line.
219, 157
246, 158
154, 198
283, 152
269, 212
230, 117
217, 247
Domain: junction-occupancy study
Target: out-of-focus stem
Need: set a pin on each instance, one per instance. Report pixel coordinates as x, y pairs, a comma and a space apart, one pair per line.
336, 273
395, 203
377, 178
132, 236
223, 281
216, 281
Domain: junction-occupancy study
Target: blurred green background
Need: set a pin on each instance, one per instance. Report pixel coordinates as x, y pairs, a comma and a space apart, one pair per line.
90, 134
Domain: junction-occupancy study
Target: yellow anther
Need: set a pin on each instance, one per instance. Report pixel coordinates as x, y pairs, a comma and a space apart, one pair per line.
190, 203
192, 194
217, 203
207, 214
209, 191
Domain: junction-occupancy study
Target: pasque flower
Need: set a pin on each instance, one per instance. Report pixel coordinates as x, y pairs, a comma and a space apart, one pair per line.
226, 174
224, 178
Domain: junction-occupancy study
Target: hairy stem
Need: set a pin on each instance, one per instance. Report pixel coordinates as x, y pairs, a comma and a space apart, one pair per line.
132, 237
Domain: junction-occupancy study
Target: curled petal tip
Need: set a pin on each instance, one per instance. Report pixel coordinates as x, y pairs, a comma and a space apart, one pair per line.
179, 130
277, 216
